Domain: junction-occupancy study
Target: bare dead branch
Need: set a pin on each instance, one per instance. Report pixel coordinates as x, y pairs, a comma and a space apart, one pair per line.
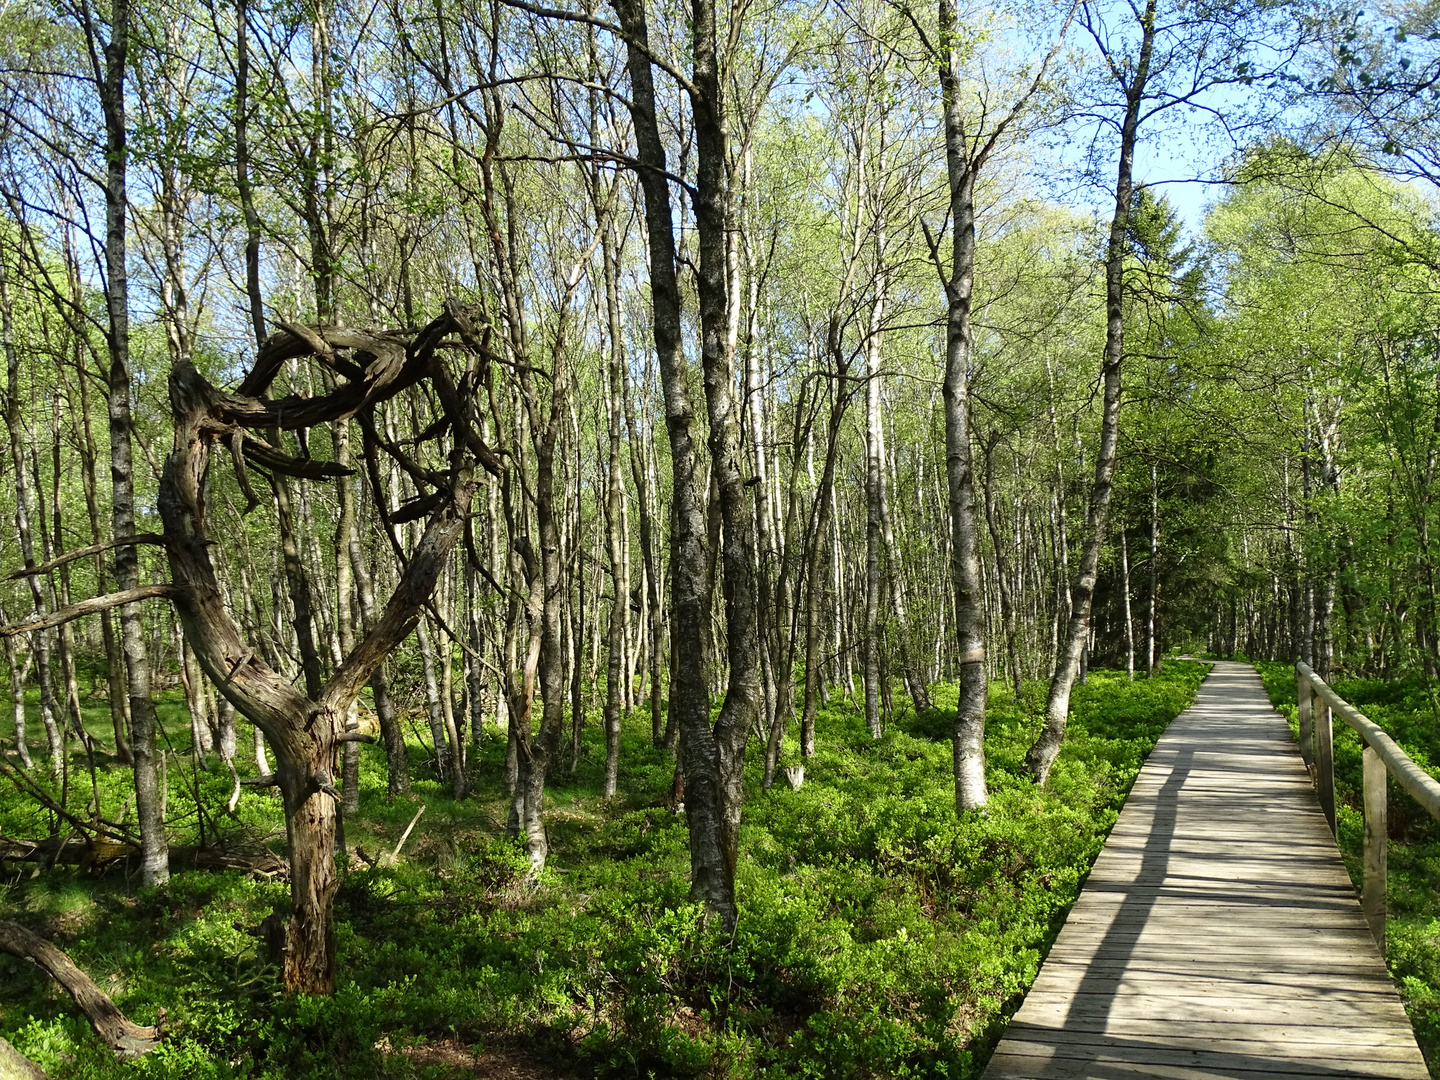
81, 553
268, 457
89, 607
95, 827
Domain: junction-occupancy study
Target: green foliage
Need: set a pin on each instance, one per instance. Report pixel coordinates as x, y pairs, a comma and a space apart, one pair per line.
880, 935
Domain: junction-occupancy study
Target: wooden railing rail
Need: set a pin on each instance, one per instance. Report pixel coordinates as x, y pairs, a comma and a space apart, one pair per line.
1318, 702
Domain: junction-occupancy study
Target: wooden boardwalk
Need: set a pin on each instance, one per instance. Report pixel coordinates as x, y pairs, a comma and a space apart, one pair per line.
1218, 935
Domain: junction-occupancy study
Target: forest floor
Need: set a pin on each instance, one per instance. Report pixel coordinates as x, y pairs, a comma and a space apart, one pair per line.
880, 936
1409, 711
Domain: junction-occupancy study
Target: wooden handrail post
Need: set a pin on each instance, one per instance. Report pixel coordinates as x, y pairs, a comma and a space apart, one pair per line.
1324, 758
1304, 694
1376, 844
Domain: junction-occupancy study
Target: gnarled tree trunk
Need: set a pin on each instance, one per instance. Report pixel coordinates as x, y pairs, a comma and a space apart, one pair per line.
306, 731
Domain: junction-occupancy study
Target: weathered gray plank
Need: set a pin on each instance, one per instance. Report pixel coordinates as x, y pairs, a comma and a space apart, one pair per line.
1208, 1034
1076, 978
1218, 934
1228, 1067
1053, 1008
1220, 1061
1260, 1041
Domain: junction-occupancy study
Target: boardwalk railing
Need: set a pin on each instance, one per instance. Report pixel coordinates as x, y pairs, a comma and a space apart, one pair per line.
1381, 756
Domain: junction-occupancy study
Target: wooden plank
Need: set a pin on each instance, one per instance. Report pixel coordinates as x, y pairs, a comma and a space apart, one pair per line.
1082, 977
1222, 1058
1209, 1032
1325, 760
1231, 955
1218, 934
1365, 1012
1377, 844
1073, 980
1357, 950
1256, 1040
1304, 695
1009, 1066
1252, 920
1172, 931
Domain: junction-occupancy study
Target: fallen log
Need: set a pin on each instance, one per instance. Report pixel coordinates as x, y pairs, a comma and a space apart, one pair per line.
99, 852
119, 1033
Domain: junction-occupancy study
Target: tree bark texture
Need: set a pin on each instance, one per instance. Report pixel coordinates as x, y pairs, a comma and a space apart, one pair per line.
744, 696
711, 881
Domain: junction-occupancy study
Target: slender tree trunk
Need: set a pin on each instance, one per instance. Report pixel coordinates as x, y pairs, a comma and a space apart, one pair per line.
149, 799
297, 581
817, 570
544, 656
61, 581
577, 646
444, 756
712, 879
242, 171
391, 733
844, 633
915, 683
619, 576
18, 670
1057, 709
784, 629
551, 671
1125, 599
645, 504
961, 167
1008, 617
225, 730
114, 659
345, 536
193, 682
874, 486
24, 511
1153, 608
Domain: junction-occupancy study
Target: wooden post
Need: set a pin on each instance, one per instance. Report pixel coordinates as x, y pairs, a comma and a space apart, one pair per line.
1324, 758
1304, 694
1373, 897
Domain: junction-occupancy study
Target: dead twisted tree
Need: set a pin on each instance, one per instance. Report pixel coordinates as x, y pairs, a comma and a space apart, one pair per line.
307, 731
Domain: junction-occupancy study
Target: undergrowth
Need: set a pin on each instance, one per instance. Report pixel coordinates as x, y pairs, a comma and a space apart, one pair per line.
1406, 710
880, 935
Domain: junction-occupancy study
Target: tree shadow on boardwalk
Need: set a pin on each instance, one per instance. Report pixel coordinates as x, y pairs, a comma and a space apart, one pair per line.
1120, 939
1218, 934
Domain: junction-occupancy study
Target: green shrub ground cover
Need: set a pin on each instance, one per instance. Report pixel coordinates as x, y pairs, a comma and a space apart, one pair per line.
880, 936
1408, 713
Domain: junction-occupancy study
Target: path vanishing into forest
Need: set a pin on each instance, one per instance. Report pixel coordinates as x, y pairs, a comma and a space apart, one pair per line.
1218, 934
